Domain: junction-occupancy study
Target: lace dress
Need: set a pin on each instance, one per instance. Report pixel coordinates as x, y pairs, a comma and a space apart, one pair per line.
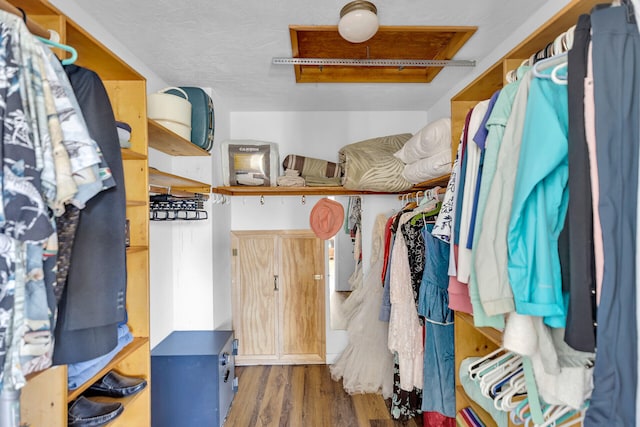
366, 365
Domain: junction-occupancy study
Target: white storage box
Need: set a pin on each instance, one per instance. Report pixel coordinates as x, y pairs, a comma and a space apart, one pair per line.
250, 162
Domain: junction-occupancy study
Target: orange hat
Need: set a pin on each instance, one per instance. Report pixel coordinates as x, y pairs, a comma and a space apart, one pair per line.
326, 218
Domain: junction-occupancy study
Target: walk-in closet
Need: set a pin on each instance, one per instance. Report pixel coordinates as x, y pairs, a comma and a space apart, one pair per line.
356, 213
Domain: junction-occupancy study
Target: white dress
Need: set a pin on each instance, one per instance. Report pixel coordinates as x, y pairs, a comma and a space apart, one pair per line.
366, 365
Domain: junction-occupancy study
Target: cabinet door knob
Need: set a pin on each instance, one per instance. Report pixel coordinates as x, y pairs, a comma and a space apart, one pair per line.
275, 282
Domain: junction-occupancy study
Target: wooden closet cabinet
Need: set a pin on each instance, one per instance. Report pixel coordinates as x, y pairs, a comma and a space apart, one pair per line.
278, 297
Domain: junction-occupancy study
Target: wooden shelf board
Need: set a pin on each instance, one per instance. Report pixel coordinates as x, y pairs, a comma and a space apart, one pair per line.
126, 401
132, 249
124, 353
128, 154
239, 190
494, 335
137, 203
163, 179
441, 181
169, 142
288, 191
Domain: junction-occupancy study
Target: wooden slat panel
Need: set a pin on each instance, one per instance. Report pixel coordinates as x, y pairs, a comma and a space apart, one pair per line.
43, 401
129, 105
302, 295
254, 296
138, 291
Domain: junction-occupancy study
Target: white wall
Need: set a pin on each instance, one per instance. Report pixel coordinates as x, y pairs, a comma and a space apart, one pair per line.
320, 135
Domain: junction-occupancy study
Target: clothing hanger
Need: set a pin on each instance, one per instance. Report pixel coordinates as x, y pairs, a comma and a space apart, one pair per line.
554, 74
544, 64
521, 412
66, 48
576, 420
558, 414
517, 386
474, 367
504, 383
498, 374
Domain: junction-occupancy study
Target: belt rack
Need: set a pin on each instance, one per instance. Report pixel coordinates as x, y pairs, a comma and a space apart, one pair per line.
165, 207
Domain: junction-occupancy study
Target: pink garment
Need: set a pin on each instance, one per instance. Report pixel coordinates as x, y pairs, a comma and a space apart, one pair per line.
590, 129
459, 299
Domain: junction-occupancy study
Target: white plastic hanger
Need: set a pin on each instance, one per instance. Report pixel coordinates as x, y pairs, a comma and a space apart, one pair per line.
544, 64
488, 359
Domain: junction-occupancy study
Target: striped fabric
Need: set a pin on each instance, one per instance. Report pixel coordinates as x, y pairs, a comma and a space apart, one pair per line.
467, 417
308, 166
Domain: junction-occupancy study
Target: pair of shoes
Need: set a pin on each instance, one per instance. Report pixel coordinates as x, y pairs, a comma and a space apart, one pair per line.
88, 413
114, 384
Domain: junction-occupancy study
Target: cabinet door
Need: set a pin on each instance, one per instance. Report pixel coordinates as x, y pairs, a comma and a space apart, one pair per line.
254, 310
302, 294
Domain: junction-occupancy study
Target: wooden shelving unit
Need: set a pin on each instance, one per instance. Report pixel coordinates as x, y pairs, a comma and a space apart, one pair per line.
169, 142
471, 341
45, 398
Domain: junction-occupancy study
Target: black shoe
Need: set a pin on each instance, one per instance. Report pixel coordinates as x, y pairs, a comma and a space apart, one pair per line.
116, 385
87, 413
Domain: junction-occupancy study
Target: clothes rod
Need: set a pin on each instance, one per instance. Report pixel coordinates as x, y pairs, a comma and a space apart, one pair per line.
376, 62
33, 26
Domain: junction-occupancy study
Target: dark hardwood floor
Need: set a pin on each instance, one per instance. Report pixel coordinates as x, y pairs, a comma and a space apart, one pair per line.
304, 396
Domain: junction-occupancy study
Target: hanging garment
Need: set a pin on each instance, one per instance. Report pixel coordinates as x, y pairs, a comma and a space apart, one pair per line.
366, 365
491, 271
579, 332
438, 394
93, 303
458, 292
616, 67
472, 164
484, 296
25, 223
540, 200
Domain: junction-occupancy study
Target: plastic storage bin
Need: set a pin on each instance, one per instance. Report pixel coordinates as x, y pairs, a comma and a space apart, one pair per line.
250, 162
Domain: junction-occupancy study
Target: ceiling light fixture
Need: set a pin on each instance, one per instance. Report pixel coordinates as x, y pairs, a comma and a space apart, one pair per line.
358, 21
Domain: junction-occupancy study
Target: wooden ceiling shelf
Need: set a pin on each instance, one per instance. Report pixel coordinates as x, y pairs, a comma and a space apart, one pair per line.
390, 42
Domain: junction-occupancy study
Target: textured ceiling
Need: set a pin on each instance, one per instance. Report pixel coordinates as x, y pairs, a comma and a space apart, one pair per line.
228, 46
